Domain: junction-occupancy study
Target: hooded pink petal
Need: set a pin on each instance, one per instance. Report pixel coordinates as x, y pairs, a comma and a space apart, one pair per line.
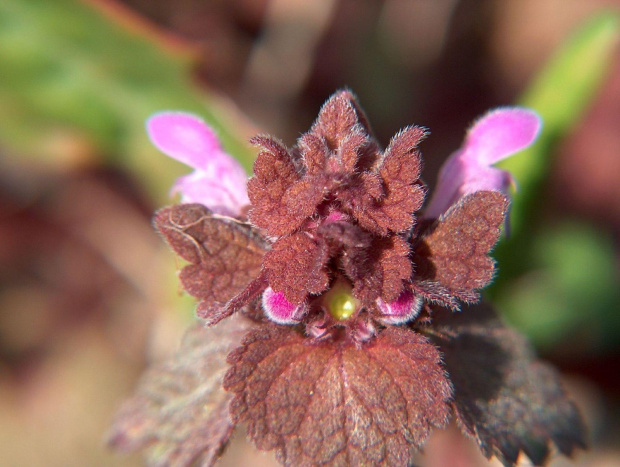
218, 181
403, 309
497, 135
278, 309
501, 133
184, 137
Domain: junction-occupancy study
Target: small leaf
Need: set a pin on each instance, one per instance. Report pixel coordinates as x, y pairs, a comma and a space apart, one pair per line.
503, 397
225, 256
351, 148
303, 196
455, 252
336, 119
379, 271
296, 266
179, 413
314, 153
399, 171
274, 173
334, 402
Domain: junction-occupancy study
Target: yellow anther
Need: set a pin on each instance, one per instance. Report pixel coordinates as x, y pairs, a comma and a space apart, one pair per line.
340, 302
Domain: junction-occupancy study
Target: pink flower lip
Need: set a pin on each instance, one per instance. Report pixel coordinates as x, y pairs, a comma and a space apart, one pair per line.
278, 309
218, 180
405, 308
498, 134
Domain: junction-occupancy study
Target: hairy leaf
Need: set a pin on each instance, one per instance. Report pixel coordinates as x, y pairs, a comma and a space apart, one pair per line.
179, 413
399, 171
337, 403
503, 397
350, 149
314, 152
336, 119
345, 234
296, 266
303, 196
274, 173
225, 256
455, 252
379, 271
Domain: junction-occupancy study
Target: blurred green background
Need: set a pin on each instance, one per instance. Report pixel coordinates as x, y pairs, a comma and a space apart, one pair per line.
88, 293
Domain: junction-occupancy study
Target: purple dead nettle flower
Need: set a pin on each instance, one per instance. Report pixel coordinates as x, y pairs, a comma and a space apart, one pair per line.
218, 180
345, 347
499, 134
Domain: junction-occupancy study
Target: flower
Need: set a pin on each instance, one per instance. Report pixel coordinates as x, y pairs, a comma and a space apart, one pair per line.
497, 135
345, 290
218, 180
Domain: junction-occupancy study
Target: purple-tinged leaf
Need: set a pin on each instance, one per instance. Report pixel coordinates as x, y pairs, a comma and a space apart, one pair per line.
454, 253
296, 266
225, 257
402, 195
337, 403
274, 174
179, 413
503, 397
378, 270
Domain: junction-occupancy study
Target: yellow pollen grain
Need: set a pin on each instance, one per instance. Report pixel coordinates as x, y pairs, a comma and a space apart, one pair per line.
341, 305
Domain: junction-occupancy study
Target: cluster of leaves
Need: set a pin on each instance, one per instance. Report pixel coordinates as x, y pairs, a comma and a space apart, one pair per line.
317, 403
360, 390
333, 206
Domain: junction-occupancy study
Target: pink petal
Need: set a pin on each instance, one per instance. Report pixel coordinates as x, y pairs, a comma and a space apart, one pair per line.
403, 309
219, 181
221, 196
184, 137
501, 133
278, 309
497, 135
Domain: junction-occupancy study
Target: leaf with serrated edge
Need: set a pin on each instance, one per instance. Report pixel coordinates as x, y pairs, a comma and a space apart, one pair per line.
179, 414
296, 266
336, 119
225, 255
274, 173
503, 397
336, 403
379, 271
455, 252
399, 171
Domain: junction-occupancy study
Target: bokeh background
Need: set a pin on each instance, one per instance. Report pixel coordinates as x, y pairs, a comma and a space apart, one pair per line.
88, 293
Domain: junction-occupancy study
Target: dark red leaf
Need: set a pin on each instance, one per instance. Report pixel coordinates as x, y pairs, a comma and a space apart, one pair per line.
303, 196
296, 266
226, 256
179, 414
314, 152
402, 160
336, 119
379, 270
274, 173
350, 149
399, 170
335, 403
455, 252
503, 397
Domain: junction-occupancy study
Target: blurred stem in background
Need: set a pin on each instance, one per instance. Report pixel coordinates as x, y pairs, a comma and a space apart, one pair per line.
558, 278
